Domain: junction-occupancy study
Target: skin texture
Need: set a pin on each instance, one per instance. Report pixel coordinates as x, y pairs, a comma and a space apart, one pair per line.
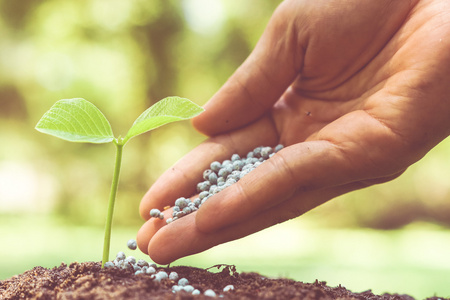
357, 91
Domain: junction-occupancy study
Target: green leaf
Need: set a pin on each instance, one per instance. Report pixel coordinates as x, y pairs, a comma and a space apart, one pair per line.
165, 111
76, 120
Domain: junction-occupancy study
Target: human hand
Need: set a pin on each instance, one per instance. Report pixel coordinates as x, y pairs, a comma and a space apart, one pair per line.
356, 90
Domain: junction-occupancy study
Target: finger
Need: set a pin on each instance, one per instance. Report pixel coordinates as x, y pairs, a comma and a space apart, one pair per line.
181, 179
270, 184
260, 81
182, 237
305, 166
149, 229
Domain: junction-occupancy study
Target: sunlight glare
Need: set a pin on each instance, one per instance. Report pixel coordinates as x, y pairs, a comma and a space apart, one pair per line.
204, 16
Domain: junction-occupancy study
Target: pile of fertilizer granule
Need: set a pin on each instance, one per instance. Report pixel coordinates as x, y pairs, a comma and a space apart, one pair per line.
218, 177
159, 274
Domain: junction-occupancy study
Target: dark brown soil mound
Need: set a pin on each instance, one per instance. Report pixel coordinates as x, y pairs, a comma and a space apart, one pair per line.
89, 281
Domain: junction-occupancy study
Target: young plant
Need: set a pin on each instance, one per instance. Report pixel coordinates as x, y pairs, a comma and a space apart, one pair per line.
78, 120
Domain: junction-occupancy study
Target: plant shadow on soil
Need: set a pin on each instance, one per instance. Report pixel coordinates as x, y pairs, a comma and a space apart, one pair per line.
89, 281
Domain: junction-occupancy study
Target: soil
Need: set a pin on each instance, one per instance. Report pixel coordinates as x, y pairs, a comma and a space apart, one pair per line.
89, 281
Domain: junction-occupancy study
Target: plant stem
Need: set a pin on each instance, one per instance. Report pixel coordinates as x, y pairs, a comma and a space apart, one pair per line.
112, 200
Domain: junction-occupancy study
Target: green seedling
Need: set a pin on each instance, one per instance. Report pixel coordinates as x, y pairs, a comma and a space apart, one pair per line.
78, 120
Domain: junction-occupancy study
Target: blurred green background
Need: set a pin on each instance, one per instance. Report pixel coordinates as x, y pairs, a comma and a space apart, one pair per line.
124, 55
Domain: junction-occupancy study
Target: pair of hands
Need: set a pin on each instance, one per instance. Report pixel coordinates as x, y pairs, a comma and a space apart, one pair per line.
357, 91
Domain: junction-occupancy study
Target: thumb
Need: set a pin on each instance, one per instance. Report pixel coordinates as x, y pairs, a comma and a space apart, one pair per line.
260, 81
